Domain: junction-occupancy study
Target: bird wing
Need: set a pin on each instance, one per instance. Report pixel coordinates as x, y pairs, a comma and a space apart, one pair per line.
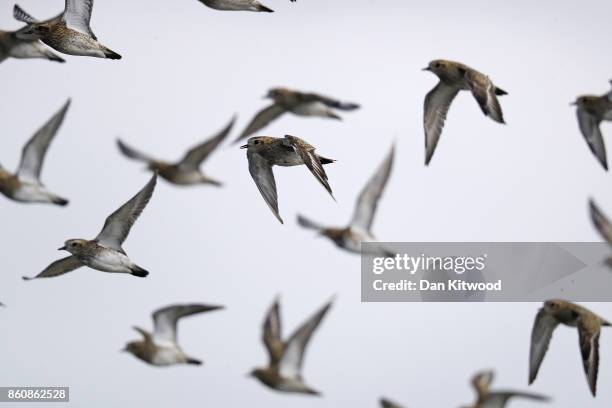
59, 267
482, 382
500, 399
601, 222
199, 153
290, 365
77, 15
307, 223
33, 153
543, 328
367, 202
272, 333
437, 104
311, 160
330, 102
132, 153
589, 127
118, 224
262, 174
21, 15
588, 335
261, 120
484, 91
165, 320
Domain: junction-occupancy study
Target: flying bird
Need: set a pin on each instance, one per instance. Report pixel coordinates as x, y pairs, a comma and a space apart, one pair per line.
385, 403
485, 398
187, 170
237, 5
360, 227
25, 185
263, 152
284, 370
555, 312
104, 253
455, 77
591, 111
298, 103
13, 46
68, 33
161, 347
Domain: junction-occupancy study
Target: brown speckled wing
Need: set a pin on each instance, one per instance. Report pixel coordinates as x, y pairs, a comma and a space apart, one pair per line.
589, 127
484, 91
437, 104
261, 120
543, 328
311, 160
58, 268
261, 172
588, 334
199, 153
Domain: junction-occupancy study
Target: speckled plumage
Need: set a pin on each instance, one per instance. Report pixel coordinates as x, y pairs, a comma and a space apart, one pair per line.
455, 77
591, 110
555, 312
263, 152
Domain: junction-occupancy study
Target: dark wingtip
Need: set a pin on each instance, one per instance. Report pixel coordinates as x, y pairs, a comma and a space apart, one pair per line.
141, 273
62, 202
26, 278
110, 54
265, 9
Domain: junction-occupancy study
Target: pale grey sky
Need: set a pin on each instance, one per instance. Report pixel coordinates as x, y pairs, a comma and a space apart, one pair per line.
186, 70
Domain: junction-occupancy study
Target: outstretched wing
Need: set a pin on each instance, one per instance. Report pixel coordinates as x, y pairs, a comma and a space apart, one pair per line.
272, 333
262, 174
261, 120
370, 195
199, 153
311, 160
601, 222
484, 91
21, 15
307, 223
77, 15
588, 335
58, 268
500, 399
118, 224
543, 328
589, 127
165, 319
33, 154
132, 153
331, 102
437, 104
290, 365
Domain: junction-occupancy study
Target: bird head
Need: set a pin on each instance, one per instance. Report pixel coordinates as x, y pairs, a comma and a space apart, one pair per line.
33, 32
74, 246
257, 143
438, 67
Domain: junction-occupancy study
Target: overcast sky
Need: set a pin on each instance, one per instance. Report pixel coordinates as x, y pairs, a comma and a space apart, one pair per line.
186, 70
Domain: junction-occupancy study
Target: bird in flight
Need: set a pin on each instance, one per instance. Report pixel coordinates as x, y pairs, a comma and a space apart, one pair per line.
555, 312
591, 110
25, 185
105, 253
298, 103
284, 370
263, 152
187, 171
485, 398
360, 227
455, 77
161, 347
68, 33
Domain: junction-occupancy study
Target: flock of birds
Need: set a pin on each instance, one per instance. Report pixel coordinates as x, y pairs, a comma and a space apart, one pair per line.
70, 33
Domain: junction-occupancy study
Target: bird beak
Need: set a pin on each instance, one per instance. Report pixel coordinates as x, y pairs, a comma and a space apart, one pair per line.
573, 104
62, 248
426, 69
244, 146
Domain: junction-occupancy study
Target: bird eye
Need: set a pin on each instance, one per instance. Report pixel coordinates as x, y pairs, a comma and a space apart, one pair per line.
256, 142
74, 244
438, 65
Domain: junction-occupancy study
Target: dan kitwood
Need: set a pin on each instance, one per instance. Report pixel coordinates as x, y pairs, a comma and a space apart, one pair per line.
432, 264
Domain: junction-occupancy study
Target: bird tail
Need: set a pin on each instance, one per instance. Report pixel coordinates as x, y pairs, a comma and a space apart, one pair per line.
59, 201
138, 271
499, 91
332, 115
110, 54
261, 7
325, 160
193, 361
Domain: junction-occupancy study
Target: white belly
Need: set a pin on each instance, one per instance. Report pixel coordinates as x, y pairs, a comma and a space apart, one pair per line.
110, 261
168, 356
311, 109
